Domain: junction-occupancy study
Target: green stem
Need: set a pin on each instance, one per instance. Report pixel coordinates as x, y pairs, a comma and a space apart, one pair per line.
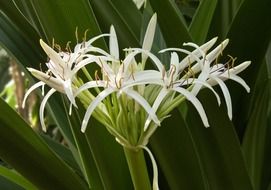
138, 170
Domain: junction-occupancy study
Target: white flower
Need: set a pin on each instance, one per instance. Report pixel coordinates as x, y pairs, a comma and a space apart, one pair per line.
62, 69
201, 73
116, 76
119, 74
171, 80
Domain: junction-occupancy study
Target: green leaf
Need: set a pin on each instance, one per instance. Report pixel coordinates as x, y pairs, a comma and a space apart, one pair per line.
177, 156
202, 20
8, 185
171, 22
223, 17
85, 155
62, 151
36, 160
59, 20
16, 178
250, 34
109, 157
257, 138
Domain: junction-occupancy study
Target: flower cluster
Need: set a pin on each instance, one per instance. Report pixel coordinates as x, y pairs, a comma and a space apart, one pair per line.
123, 87
129, 100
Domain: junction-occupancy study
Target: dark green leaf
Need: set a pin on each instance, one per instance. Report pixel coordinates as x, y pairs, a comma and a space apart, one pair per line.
36, 161
202, 20
16, 178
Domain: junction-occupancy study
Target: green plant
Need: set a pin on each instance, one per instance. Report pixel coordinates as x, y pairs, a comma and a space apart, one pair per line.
228, 155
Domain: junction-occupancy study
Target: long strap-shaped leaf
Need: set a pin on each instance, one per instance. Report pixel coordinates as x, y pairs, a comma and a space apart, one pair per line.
23, 149
202, 20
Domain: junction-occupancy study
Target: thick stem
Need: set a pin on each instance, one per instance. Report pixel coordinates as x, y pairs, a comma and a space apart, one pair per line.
138, 169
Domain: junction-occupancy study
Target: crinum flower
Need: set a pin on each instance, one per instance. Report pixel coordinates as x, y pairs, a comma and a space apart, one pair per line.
117, 74
62, 69
197, 70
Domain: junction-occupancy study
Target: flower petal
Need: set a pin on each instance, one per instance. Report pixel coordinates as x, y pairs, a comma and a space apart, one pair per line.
226, 94
52, 54
68, 91
49, 80
42, 106
192, 98
139, 99
88, 85
148, 38
113, 43
154, 168
155, 60
93, 105
38, 84
162, 94
217, 51
239, 68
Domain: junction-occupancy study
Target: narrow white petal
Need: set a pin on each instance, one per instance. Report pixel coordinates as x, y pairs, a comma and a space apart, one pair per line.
239, 68
88, 43
149, 36
38, 84
88, 85
240, 81
188, 60
205, 84
189, 96
155, 60
217, 51
49, 80
202, 77
162, 94
42, 107
93, 105
97, 50
226, 94
139, 99
113, 43
68, 90
154, 167
52, 54
83, 63
174, 59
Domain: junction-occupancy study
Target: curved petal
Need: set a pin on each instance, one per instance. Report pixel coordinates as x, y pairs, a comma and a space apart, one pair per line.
139, 99
192, 98
154, 168
88, 85
93, 105
162, 94
240, 81
205, 84
88, 43
68, 91
226, 94
155, 60
38, 84
42, 106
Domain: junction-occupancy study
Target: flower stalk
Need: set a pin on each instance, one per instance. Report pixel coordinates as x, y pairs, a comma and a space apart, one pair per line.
137, 166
